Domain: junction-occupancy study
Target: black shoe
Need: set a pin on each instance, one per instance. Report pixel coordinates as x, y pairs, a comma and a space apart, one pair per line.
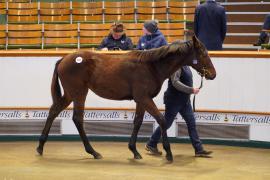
153, 150
203, 153
257, 44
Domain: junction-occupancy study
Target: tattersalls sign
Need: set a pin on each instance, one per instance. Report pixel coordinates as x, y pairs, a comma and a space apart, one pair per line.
205, 117
233, 118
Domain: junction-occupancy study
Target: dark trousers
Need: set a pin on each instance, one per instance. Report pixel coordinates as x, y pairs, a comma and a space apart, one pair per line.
171, 110
266, 25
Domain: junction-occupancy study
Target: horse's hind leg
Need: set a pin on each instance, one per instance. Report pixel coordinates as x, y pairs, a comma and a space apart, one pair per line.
153, 110
78, 121
55, 109
137, 124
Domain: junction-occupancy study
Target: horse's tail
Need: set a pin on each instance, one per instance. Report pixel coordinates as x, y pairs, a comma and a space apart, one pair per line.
55, 86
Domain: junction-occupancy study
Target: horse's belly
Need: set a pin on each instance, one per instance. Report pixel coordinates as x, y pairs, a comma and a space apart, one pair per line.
112, 92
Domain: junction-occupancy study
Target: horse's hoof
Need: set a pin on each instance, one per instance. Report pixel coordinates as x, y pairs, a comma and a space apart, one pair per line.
169, 158
40, 150
137, 156
97, 155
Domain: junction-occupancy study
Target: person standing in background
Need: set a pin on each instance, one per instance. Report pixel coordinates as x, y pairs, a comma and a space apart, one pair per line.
210, 24
263, 35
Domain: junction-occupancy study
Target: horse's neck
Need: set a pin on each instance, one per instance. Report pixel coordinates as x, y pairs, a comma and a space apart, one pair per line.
170, 64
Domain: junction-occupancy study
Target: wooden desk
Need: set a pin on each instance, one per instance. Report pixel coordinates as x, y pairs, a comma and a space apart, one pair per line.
47, 53
57, 53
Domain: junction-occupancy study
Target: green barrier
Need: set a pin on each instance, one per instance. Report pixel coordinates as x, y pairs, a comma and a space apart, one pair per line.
24, 46
265, 46
3, 19
60, 46
2, 47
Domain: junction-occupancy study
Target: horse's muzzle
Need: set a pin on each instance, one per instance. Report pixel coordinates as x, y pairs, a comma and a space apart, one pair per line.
210, 76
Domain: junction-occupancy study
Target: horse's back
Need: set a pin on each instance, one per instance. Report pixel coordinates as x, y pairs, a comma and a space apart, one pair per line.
99, 72
115, 77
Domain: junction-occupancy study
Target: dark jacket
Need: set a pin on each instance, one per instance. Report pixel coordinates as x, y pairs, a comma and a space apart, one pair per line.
210, 24
266, 24
174, 96
124, 43
154, 40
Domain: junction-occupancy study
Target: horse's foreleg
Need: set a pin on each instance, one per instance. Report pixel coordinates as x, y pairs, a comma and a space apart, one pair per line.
137, 124
150, 107
78, 121
55, 109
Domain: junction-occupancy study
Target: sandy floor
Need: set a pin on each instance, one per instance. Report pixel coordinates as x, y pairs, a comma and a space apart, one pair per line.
68, 160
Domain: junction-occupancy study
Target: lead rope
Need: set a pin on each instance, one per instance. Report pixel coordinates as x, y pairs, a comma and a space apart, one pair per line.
194, 98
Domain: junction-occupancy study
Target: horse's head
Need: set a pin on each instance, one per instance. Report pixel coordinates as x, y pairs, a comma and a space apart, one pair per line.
202, 62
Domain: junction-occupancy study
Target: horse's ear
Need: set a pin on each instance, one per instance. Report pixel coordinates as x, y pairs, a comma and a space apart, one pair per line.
196, 41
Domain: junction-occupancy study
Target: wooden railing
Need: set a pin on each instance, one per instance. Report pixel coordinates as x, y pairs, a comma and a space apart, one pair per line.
101, 11
57, 53
42, 36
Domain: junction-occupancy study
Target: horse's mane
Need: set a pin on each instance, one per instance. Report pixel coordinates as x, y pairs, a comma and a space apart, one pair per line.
159, 53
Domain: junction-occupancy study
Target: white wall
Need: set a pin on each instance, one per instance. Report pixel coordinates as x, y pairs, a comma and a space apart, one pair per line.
241, 84
25, 81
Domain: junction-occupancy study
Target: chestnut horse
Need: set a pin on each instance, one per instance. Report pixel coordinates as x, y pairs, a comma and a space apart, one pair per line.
136, 75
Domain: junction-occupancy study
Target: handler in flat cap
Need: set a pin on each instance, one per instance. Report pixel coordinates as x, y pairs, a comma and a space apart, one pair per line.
117, 39
152, 37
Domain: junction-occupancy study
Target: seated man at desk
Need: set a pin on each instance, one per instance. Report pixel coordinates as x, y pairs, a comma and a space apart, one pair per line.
263, 34
117, 39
